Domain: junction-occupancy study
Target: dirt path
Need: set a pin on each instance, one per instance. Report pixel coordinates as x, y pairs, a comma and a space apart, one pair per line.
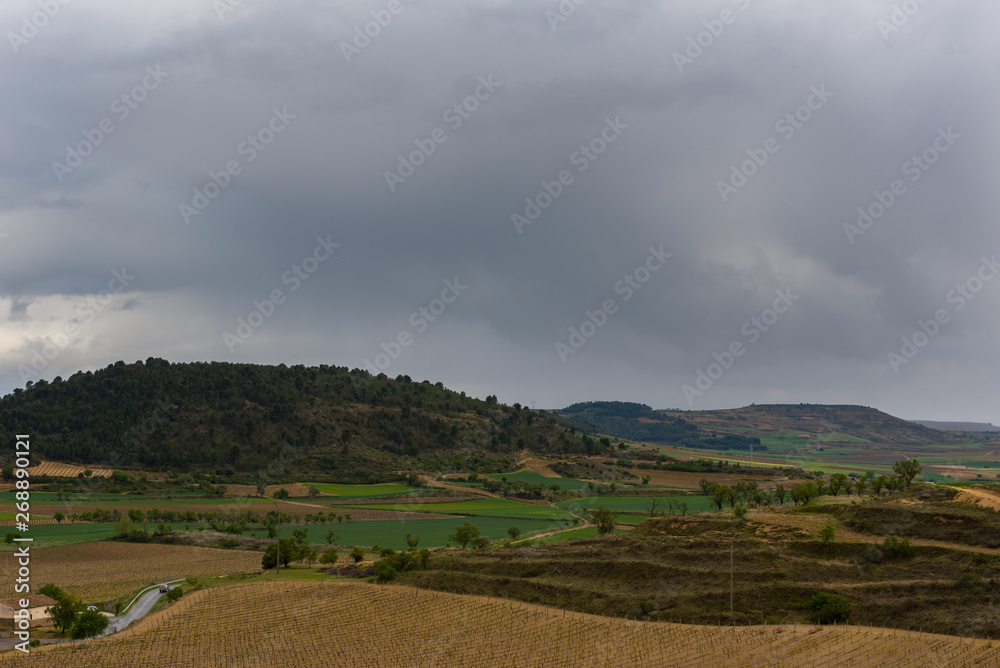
980, 497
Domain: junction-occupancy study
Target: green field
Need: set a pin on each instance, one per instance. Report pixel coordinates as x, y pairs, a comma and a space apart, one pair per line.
54, 535
433, 533
635, 504
535, 478
480, 507
361, 491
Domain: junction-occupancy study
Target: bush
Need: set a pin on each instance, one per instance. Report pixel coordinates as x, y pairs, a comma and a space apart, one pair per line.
829, 608
329, 556
481, 542
357, 554
89, 623
384, 572
897, 547
174, 594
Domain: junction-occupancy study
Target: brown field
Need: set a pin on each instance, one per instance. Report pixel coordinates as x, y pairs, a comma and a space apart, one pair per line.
687, 480
103, 571
66, 470
295, 489
308, 623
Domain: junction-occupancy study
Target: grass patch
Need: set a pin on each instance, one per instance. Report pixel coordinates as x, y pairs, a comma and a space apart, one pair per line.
361, 491
480, 508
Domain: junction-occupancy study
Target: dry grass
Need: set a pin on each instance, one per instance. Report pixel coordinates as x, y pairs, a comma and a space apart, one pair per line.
104, 571
296, 623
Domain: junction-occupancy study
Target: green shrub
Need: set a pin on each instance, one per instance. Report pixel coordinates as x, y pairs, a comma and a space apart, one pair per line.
384, 572
897, 547
174, 594
829, 608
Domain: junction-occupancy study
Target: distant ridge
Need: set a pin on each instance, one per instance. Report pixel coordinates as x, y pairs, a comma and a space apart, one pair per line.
958, 426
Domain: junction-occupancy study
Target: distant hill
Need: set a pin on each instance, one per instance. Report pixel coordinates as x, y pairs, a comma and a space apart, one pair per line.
273, 422
639, 422
958, 426
841, 423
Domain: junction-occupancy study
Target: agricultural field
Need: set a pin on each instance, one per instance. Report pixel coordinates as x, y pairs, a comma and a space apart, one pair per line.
432, 532
483, 508
636, 504
535, 478
361, 491
105, 571
345, 624
58, 470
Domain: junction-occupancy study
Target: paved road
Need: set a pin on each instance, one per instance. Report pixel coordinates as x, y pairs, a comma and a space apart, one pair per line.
138, 610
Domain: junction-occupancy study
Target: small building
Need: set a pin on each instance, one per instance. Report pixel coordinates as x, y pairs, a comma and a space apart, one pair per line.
36, 609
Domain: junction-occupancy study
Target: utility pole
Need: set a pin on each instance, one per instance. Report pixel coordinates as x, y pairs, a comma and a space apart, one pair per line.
751, 455
730, 575
277, 563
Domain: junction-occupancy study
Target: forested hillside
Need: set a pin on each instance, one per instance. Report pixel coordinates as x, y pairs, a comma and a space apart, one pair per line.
639, 422
252, 419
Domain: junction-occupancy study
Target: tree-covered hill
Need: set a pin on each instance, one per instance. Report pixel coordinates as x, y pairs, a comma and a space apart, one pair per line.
639, 422
272, 421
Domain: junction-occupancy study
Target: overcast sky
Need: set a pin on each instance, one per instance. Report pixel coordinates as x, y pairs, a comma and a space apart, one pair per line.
710, 157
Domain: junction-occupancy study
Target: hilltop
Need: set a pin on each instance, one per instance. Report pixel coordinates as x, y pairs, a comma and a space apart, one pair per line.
345, 424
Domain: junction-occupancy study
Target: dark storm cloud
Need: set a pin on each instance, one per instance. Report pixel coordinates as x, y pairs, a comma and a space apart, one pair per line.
212, 86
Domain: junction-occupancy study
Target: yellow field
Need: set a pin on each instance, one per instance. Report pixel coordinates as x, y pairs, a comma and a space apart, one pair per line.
66, 470
308, 623
104, 571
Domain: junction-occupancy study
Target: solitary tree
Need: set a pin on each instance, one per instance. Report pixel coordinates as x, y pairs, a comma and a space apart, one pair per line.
464, 534
89, 623
780, 493
329, 556
604, 518
653, 503
859, 485
58, 517
878, 484
907, 469
837, 482
513, 532
357, 554
827, 533
720, 494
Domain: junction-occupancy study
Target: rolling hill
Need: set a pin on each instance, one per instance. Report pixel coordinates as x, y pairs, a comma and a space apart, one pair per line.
859, 425
273, 422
